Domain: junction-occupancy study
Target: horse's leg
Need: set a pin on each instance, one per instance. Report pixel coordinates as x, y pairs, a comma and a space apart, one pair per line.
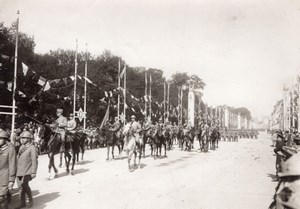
68, 159
112, 151
73, 161
82, 153
49, 165
54, 168
107, 158
60, 159
165, 146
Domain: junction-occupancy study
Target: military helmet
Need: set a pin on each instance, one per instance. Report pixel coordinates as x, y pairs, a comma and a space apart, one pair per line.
59, 110
133, 117
4, 135
26, 134
291, 167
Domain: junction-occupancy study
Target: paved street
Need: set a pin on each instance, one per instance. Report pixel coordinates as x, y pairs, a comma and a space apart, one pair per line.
235, 176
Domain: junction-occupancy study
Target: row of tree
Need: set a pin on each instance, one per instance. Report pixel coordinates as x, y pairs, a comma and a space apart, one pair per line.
102, 70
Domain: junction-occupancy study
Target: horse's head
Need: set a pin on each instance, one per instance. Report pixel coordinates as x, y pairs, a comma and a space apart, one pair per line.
45, 134
127, 130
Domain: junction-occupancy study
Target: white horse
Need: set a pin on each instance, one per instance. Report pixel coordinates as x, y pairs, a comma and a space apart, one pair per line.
132, 145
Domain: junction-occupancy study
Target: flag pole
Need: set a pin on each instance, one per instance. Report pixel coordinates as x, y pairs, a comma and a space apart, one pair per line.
150, 109
75, 81
168, 102
119, 82
15, 80
146, 93
164, 116
85, 88
125, 75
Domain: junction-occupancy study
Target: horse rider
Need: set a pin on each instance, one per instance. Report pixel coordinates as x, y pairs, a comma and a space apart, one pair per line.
159, 128
60, 124
7, 168
71, 123
147, 127
135, 127
115, 127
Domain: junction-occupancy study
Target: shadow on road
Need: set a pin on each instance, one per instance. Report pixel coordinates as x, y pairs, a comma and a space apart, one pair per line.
175, 161
84, 162
39, 201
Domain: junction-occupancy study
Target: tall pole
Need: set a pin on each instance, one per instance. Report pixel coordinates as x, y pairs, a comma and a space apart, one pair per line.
75, 79
85, 89
146, 92
168, 102
178, 105
125, 75
150, 108
164, 112
15, 80
119, 82
181, 107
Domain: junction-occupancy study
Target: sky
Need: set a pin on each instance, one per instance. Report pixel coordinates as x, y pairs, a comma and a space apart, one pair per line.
244, 50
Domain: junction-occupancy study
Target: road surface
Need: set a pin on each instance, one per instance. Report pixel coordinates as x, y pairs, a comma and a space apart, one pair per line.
236, 175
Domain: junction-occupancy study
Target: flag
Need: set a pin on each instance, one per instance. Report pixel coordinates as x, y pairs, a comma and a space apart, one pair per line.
25, 69
123, 71
47, 86
9, 86
106, 117
88, 80
42, 81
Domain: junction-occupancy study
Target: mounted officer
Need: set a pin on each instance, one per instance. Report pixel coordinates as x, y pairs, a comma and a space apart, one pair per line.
115, 127
60, 127
147, 128
135, 128
71, 123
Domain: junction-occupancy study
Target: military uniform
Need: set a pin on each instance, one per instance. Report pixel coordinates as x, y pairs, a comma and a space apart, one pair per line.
147, 128
7, 171
71, 125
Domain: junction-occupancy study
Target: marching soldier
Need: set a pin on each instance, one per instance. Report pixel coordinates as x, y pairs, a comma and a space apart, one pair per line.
7, 168
26, 168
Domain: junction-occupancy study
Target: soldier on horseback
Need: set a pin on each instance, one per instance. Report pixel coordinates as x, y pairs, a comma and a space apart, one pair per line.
71, 124
61, 123
135, 128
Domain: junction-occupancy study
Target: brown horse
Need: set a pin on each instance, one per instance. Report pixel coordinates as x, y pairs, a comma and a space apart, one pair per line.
51, 144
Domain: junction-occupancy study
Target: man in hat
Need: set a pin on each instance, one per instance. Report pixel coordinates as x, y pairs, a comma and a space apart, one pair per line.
26, 168
287, 193
71, 123
62, 123
135, 127
7, 168
115, 127
281, 153
147, 127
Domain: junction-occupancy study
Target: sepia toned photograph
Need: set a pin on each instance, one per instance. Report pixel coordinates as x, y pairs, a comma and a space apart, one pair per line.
147, 104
